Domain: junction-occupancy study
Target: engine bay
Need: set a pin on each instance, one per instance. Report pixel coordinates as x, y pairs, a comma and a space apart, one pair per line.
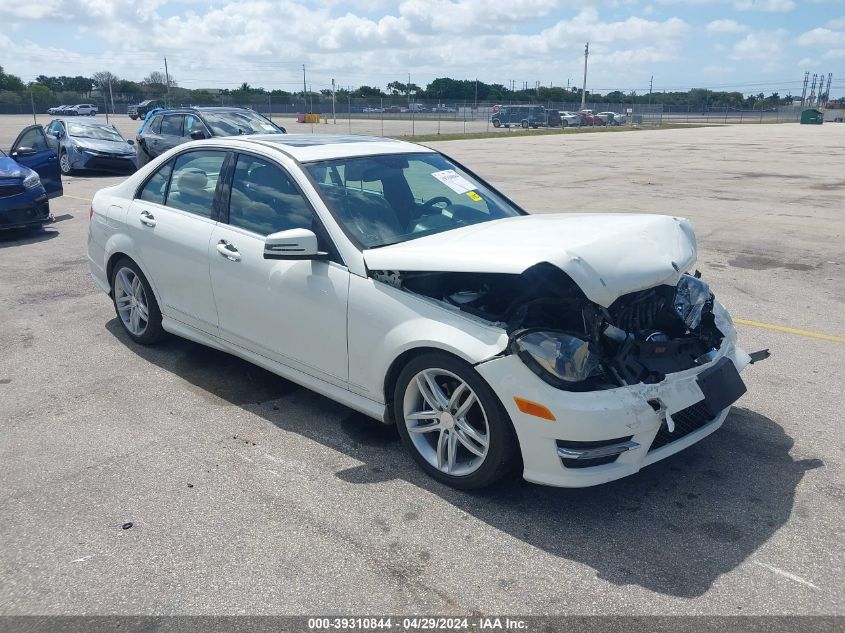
640, 338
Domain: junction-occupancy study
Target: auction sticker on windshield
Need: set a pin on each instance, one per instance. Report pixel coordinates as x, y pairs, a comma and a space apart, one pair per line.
454, 180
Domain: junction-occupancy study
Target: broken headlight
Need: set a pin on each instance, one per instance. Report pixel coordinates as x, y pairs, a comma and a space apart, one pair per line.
558, 358
690, 297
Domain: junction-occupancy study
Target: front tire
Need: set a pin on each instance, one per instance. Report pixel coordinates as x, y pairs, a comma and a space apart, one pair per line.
135, 304
453, 423
64, 164
496, 123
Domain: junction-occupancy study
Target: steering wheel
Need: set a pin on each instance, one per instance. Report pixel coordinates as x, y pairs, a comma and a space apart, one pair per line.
436, 199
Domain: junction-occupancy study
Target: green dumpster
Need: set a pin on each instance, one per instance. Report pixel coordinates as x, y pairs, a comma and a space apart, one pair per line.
812, 117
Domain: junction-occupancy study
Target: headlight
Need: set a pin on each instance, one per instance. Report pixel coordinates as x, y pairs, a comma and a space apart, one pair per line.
32, 181
564, 358
690, 297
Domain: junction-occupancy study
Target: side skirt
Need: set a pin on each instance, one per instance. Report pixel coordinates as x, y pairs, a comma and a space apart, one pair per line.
338, 394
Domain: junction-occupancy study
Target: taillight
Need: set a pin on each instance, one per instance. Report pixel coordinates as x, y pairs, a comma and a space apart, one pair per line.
90, 212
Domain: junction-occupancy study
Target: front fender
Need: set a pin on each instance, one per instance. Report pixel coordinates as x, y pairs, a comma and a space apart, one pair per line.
386, 322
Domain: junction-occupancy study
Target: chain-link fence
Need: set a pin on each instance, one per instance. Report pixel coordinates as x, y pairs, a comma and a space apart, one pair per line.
403, 116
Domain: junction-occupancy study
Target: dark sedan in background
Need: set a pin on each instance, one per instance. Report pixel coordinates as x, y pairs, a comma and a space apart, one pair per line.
29, 177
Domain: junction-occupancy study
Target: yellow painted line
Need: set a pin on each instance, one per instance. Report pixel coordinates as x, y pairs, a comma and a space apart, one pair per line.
792, 330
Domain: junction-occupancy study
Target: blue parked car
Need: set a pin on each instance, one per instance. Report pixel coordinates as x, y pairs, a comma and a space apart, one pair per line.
29, 176
90, 145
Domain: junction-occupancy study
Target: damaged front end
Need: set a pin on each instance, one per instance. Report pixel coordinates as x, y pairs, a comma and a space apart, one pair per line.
573, 343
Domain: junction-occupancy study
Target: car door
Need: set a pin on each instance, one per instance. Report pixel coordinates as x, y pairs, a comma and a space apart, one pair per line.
291, 311
33, 150
171, 132
171, 222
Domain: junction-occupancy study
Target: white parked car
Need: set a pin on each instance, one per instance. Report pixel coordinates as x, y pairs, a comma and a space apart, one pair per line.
391, 279
84, 109
568, 119
610, 118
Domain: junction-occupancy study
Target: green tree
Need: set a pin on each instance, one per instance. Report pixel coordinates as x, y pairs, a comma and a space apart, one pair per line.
11, 83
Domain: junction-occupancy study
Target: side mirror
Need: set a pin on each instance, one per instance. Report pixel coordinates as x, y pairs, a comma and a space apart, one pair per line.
130, 142
197, 135
292, 244
24, 151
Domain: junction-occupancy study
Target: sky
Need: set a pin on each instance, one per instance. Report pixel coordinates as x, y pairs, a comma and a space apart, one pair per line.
747, 45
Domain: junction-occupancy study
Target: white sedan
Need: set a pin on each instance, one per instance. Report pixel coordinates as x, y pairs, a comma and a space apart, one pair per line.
386, 276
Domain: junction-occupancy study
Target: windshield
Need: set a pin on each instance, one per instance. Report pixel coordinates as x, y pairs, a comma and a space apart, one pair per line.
243, 122
383, 200
100, 133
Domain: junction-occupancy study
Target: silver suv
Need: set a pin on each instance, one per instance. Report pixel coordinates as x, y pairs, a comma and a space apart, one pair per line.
84, 109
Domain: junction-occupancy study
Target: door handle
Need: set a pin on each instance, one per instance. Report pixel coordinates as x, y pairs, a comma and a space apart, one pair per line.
147, 218
228, 250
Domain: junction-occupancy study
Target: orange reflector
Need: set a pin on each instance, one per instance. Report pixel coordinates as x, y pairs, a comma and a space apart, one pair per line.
534, 408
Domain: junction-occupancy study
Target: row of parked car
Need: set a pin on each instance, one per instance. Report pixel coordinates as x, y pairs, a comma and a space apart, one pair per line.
80, 109
32, 172
538, 116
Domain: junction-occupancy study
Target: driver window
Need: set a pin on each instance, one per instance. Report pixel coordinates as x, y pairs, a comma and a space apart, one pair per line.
264, 199
35, 139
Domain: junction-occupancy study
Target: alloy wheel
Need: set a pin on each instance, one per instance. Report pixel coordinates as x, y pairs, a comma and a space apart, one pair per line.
64, 163
131, 301
446, 422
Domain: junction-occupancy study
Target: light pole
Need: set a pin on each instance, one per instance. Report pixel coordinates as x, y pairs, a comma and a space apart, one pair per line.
584, 89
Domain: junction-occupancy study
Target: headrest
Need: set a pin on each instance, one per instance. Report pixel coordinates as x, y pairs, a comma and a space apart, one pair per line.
194, 179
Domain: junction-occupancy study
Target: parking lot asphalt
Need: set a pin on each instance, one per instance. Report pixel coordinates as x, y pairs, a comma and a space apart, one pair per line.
248, 494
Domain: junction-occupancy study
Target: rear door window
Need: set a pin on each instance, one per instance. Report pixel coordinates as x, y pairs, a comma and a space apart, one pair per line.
194, 181
156, 188
171, 125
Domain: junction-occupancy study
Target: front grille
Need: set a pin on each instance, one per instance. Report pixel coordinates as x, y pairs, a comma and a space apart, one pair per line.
7, 191
110, 163
686, 420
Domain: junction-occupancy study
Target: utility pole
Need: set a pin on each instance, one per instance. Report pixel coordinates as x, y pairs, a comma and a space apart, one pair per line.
111, 96
812, 97
304, 90
167, 82
409, 92
584, 89
650, 87
334, 113
476, 94
804, 91
32, 102
827, 91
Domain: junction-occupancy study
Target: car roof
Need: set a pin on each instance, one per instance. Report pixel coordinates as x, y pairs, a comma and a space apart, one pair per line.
90, 123
315, 147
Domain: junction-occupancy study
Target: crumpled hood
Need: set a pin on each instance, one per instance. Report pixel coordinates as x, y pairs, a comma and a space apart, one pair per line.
607, 255
10, 168
111, 147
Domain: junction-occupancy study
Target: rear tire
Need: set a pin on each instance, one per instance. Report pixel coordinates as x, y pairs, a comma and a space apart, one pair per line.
468, 442
496, 123
134, 118
525, 125
135, 304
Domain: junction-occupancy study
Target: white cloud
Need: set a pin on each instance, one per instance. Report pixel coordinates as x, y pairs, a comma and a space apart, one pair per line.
719, 70
725, 26
821, 37
838, 23
763, 46
774, 6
